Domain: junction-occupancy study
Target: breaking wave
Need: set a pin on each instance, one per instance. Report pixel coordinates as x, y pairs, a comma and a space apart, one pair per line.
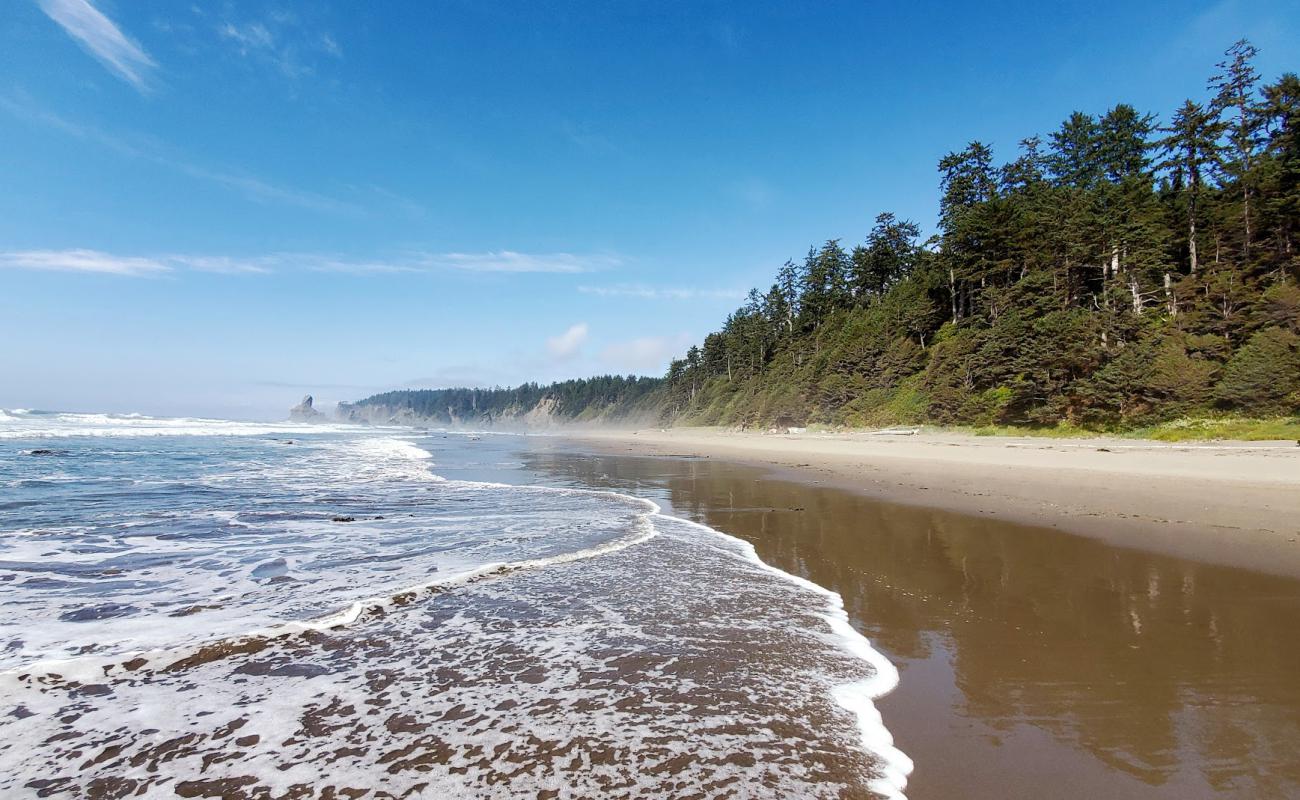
151, 568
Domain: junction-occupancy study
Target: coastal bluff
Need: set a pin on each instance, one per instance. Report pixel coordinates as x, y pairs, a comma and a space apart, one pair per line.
600, 401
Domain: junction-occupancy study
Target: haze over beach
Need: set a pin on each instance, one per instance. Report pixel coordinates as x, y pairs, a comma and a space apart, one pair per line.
594, 400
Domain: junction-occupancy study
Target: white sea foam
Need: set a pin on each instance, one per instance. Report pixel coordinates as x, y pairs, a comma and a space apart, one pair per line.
674, 666
24, 424
252, 572
576, 585
858, 696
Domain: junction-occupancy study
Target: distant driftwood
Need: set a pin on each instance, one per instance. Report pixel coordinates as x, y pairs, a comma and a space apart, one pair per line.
795, 430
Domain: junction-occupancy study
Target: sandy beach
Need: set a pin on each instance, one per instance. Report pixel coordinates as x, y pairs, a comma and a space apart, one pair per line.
1230, 503
1034, 662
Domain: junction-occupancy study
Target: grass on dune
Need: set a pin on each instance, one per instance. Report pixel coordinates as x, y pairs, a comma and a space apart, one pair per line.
1185, 429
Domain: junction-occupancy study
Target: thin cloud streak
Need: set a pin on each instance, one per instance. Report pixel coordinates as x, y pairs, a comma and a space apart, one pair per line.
511, 261
319, 263
252, 187
87, 260
330, 45
223, 265
662, 293
260, 190
102, 38
503, 261
92, 261
255, 39
99, 262
253, 36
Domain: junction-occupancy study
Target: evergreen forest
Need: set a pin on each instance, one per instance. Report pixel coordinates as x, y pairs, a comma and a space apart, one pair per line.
1122, 270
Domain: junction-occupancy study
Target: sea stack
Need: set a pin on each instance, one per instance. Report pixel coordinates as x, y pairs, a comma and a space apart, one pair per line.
304, 412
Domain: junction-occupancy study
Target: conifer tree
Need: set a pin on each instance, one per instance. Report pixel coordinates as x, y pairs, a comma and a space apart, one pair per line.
886, 258
968, 180
1191, 153
1236, 96
1282, 110
1075, 157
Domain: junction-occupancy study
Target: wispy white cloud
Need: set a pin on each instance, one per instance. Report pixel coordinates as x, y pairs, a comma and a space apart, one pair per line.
280, 40
97, 261
220, 264
568, 344
251, 186
84, 260
502, 261
398, 201
249, 37
102, 38
260, 190
330, 45
348, 266
256, 40
662, 292
643, 354
511, 261
92, 261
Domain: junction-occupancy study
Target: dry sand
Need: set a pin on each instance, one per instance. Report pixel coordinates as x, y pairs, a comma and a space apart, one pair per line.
1231, 503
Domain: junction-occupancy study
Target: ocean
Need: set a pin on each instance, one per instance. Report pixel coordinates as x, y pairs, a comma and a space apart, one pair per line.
205, 608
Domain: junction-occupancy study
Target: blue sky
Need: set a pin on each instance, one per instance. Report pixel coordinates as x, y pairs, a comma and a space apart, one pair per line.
216, 208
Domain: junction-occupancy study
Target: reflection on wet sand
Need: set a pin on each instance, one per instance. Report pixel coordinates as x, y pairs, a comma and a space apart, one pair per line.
1034, 663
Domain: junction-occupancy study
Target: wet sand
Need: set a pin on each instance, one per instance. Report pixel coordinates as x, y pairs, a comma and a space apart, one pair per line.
1231, 503
626, 655
1035, 663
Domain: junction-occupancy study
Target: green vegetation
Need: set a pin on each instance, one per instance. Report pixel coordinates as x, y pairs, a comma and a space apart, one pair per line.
1183, 429
1116, 276
587, 399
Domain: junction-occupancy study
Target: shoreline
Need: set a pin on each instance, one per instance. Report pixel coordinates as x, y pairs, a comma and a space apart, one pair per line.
1108, 664
1231, 503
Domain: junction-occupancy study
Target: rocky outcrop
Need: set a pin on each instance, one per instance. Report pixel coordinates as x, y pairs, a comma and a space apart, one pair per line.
305, 412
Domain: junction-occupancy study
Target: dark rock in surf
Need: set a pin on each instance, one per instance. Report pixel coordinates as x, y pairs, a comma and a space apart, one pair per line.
304, 411
103, 611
